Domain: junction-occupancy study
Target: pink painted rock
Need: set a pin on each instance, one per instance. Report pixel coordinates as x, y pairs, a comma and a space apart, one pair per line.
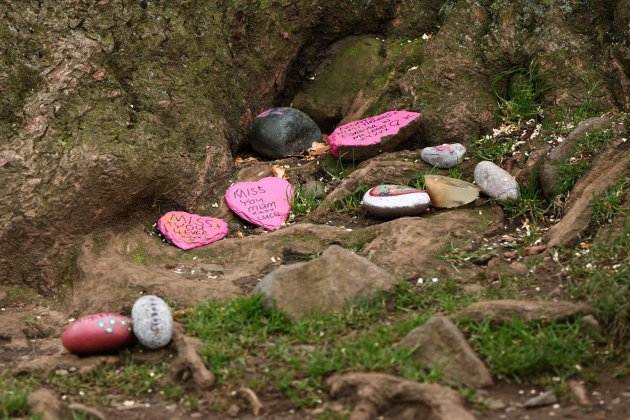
266, 202
97, 333
188, 231
368, 137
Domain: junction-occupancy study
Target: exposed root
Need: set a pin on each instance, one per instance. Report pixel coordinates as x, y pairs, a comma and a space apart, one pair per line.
188, 364
45, 405
93, 412
252, 399
379, 394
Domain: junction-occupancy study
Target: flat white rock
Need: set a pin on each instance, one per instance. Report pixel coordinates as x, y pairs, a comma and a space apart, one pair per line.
395, 201
152, 322
496, 182
444, 156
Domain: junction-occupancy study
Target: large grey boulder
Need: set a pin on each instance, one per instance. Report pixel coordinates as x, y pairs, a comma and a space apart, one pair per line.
439, 344
326, 284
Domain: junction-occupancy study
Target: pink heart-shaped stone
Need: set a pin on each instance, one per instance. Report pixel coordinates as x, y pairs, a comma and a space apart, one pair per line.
188, 231
266, 202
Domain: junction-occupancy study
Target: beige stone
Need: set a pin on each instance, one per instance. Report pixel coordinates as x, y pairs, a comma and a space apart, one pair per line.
448, 192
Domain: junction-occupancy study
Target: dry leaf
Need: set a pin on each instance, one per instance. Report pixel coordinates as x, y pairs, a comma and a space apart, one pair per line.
278, 171
240, 160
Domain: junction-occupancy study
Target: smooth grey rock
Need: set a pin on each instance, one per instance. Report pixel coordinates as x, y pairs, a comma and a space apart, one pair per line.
326, 284
496, 182
542, 400
152, 322
282, 132
395, 201
439, 344
444, 156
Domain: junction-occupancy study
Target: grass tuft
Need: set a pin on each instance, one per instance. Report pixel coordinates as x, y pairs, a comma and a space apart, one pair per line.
303, 202
581, 159
524, 92
13, 397
521, 350
609, 204
352, 202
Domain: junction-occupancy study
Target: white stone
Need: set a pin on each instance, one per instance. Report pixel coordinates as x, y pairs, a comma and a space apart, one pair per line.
395, 201
495, 182
152, 322
444, 156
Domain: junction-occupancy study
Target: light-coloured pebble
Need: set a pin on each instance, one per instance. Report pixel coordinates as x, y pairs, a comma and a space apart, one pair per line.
152, 322
444, 156
495, 182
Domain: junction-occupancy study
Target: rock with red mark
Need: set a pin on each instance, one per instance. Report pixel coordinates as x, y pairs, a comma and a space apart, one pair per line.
444, 156
395, 201
370, 136
97, 333
188, 231
265, 203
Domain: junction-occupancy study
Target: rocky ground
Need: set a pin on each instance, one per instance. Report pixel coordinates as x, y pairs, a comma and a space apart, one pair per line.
514, 309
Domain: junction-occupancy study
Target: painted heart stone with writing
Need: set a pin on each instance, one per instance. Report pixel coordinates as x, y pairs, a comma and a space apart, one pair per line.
97, 333
188, 231
395, 201
370, 136
265, 203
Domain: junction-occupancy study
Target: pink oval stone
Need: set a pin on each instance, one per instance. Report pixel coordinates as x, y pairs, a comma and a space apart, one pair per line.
188, 231
97, 333
266, 202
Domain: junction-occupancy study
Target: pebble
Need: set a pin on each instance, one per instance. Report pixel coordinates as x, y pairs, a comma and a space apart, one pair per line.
395, 201
97, 333
283, 132
448, 192
544, 399
495, 182
444, 156
152, 322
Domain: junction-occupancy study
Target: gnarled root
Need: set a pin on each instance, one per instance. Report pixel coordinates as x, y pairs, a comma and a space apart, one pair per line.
382, 394
188, 364
252, 399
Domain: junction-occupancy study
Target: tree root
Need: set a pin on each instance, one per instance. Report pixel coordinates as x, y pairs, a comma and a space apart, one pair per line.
45, 404
252, 399
382, 394
188, 364
92, 412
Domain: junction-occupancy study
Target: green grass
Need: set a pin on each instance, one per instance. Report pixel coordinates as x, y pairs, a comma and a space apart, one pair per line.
131, 380
580, 161
296, 356
523, 96
492, 149
13, 397
602, 278
519, 350
303, 202
609, 204
337, 168
352, 202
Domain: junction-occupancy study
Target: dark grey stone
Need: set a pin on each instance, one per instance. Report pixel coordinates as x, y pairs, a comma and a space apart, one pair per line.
282, 132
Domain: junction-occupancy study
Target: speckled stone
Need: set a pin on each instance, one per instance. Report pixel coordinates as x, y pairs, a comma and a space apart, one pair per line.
495, 182
152, 322
444, 156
